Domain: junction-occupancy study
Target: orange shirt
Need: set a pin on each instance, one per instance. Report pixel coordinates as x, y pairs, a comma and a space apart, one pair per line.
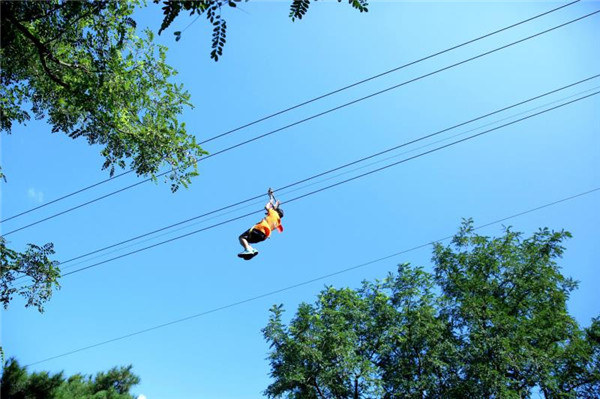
269, 223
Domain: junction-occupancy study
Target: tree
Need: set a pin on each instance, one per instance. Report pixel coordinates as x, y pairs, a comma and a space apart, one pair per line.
17, 383
212, 10
577, 373
80, 66
35, 264
382, 340
491, 321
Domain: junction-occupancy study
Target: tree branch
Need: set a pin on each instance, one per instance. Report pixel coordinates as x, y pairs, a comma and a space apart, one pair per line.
46, 14
42, 51
317, 388
96, 7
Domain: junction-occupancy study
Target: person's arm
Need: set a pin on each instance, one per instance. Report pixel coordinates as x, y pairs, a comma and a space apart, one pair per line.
272, 204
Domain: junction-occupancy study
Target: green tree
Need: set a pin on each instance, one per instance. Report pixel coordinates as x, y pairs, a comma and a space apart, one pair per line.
576, 374
80, 66
382, 340
491, 321
17, 383
35, 264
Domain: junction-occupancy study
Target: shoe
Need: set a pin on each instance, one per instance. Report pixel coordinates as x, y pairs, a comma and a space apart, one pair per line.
254, 251
246, 253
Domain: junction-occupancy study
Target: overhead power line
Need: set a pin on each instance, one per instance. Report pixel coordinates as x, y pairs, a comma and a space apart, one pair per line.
311, 101
336, 184
330, 170
306, 282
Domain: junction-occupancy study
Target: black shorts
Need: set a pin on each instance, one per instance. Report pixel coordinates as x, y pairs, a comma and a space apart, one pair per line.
253, 236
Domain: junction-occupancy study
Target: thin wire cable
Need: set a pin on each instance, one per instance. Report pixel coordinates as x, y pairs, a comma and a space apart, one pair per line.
310, 101
314, 183
66, 196
288, 192
164, 234
333, 170
335, 184
440, 148
438, 141
297, 189
306, 282
384, 73
313, 117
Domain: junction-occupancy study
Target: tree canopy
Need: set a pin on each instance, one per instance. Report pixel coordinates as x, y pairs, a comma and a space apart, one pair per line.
18, 383
491, 321
35, 264
82, 67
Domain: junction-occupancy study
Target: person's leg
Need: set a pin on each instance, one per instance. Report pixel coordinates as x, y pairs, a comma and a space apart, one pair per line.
248, 237
244, 242
256, 236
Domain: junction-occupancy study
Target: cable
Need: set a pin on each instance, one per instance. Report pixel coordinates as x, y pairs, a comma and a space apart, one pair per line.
332, 170
384, 73
66, 196
330, 178
311, 101
288, 192
335, 184
436, 142
255, 298
315, 116
440, 148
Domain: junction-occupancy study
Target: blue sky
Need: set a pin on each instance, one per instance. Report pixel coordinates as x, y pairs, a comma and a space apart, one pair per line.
269, 64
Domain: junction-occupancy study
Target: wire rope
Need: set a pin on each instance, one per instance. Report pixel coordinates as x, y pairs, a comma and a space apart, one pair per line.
312, 117
335, 184
309, 101
303, 283
332, 170
288, 192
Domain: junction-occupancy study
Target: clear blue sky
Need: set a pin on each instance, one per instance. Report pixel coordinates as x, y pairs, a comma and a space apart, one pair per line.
271, 63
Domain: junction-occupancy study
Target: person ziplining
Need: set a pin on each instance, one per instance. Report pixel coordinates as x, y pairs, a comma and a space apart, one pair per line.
262, 230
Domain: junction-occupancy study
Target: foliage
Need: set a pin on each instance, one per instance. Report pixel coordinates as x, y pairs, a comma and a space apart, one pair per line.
299, 8
345, 344
114, 384
213, 10
577, 374
491, 321
80, 66
42, 274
